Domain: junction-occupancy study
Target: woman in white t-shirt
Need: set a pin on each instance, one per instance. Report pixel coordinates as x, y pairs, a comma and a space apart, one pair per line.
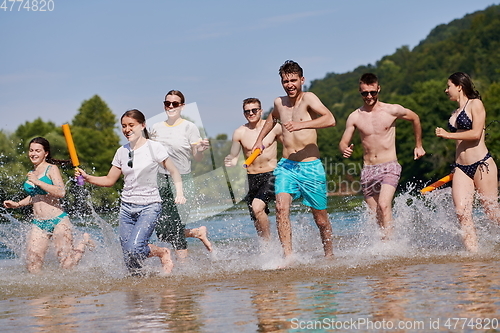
139, 162
183, 141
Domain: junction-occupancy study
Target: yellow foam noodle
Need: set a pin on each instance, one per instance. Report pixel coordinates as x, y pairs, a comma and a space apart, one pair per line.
437, 184
71, 145
251, 158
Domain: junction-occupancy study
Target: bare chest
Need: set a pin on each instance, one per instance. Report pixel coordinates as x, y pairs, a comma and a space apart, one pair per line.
375, 123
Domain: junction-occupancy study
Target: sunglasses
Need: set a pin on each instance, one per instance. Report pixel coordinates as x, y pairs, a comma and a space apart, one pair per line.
131, 161
253, 111
174, 104
365, 93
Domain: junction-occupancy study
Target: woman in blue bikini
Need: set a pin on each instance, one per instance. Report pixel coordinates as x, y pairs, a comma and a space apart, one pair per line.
45, 187
475, 169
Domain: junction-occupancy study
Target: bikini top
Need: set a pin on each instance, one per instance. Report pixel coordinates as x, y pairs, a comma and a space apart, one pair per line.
463, 121
32, 190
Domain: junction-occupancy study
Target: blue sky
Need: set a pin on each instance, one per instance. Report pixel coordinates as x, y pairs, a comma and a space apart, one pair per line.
216, 52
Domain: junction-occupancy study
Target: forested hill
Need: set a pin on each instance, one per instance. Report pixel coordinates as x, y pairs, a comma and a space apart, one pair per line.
416, 79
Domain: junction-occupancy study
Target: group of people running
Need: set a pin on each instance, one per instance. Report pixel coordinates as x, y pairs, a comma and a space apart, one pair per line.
158, 185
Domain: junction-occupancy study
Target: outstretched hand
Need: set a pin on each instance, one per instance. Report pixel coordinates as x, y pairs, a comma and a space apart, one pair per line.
203, 145
10, 204
80, 172
230, 160
180, 199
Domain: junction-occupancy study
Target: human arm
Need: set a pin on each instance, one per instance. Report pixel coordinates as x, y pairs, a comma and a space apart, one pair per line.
105, 181
232, 159
13, 204
346, 148
409, 115
271, 121
478, 121
176, 177
325, 117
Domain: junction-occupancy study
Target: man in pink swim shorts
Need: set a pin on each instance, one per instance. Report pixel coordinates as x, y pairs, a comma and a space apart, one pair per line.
375, 122
374, 176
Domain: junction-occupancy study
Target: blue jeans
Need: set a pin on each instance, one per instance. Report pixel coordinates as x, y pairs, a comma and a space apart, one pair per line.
137, 223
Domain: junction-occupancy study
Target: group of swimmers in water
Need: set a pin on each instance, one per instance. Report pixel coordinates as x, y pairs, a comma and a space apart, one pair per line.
158, 185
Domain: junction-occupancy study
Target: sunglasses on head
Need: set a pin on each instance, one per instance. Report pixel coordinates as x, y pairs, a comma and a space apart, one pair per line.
131, 156
365, 93
174, 104
253, 111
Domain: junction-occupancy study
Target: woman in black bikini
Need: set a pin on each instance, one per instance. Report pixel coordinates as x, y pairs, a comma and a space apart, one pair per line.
475, 169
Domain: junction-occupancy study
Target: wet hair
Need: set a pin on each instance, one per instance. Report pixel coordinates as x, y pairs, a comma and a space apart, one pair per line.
291, 67
176, 93
463, 80
368, 78
46, 147
251, 100
139, 116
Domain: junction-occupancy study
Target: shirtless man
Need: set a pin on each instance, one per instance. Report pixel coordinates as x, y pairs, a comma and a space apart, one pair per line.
376, 123
300, 171
260, 172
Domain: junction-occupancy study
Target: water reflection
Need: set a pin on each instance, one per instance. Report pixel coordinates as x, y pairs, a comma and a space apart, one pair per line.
477, 291
274, 307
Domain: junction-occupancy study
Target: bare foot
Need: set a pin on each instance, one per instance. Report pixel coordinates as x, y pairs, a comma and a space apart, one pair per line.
288, 261
201, 234
166, 261
89, 242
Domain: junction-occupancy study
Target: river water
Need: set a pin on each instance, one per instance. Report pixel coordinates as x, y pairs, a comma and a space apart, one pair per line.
421, 281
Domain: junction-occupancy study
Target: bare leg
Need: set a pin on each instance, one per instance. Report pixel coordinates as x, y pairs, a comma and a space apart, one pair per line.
487, 187
283, 202
181, 254
68, 255
325, 230
262, 220
201, 234
37, 245
384, 202
463, 197
381, 205
164, 254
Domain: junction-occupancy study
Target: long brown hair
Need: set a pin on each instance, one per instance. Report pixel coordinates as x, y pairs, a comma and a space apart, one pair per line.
463, 80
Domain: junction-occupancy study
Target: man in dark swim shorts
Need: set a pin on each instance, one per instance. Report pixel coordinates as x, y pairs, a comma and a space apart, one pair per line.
260, 172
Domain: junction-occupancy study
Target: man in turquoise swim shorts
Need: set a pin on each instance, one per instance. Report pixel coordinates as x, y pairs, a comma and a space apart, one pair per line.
300, 172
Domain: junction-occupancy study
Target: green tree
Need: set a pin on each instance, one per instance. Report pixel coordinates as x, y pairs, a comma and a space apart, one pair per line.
93, 131
30, 130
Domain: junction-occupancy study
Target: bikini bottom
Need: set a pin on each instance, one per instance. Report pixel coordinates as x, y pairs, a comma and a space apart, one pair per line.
49, 224
470, 169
